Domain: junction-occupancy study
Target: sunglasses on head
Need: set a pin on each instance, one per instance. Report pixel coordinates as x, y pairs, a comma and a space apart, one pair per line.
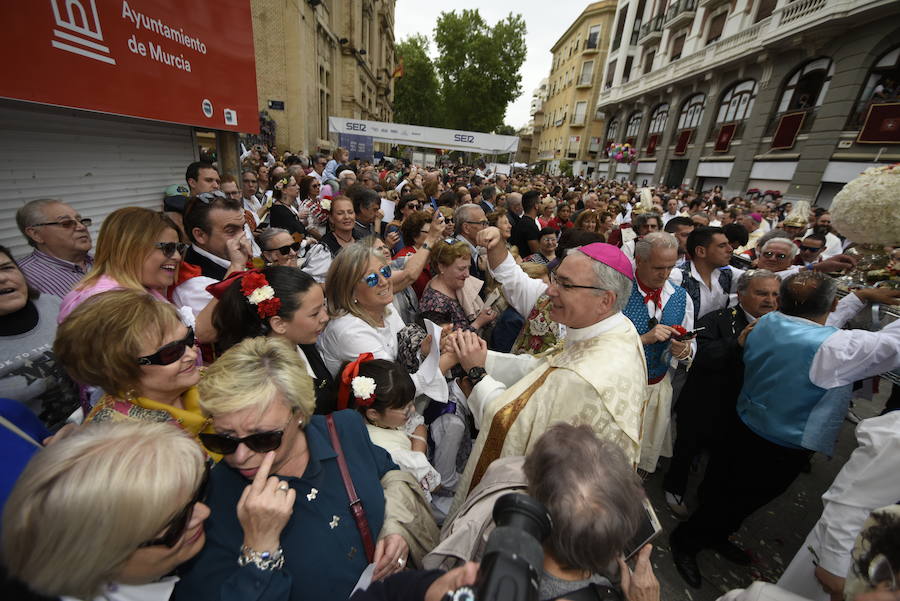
371, 280
170, 248
171, 352
769, 254
286, 249
175, 529
208, 197
261, 442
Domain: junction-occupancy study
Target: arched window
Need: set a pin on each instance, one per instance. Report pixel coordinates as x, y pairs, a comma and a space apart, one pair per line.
691, 112
882, 86
612, 130
658, 118
737, 102
633, 127
807, 87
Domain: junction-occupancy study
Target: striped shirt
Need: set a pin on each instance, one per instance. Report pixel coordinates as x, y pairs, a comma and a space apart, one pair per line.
52, 275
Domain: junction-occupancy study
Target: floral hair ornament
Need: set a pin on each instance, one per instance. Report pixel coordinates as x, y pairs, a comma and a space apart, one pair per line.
325, 203
351, 380
255, 287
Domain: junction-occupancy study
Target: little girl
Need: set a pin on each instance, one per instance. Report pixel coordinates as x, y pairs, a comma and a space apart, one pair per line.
383, 393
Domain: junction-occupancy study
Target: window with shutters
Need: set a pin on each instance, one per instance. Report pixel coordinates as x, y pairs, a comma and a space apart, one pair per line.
578, 117
658, 119
648, 61
737, 102
593, 39
691, 112
677, 47
716, 25
587, 73
765, 9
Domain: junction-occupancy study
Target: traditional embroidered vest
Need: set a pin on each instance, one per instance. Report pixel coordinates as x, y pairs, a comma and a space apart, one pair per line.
195, 264
692, 286
672, 314
778, 401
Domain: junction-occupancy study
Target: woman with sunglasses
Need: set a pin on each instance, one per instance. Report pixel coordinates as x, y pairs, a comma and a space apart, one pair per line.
139, 353
278, 247
138, 249
282, 526
359, 294
300, 318
109, 512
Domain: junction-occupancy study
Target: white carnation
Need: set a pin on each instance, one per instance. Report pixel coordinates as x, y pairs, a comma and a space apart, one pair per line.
325, 204
261, 294
867, 209
363, 387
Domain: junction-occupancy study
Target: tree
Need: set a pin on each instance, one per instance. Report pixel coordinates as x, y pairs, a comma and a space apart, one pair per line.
417, 97
479, 67
505, 130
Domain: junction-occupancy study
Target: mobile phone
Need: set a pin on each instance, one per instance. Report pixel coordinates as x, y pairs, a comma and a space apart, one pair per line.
648, 530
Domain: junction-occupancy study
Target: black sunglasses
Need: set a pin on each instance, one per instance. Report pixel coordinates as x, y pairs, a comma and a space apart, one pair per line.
171, 352
261, 442
811, 249
286, 249
170, 248
175, 529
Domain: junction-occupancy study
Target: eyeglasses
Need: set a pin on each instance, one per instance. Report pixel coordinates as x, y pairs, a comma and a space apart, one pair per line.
485, 223
769, 254
175, 529
170, 248
68, 224
261, 442
170, 353
811, 249
554, 279
286, 249
371, 280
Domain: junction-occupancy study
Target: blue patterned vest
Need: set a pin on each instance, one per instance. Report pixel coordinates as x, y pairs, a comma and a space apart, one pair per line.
672, 315
778, 401
693, 287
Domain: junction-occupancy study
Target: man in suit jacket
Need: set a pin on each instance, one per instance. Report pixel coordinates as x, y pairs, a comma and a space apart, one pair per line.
707, 401
488, 199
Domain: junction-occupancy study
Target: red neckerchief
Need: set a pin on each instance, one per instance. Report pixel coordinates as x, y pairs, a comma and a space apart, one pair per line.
651, 294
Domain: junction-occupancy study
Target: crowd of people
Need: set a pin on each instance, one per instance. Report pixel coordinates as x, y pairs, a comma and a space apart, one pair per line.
323, 373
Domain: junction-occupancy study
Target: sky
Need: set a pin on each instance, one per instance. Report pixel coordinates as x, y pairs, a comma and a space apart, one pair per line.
545, 22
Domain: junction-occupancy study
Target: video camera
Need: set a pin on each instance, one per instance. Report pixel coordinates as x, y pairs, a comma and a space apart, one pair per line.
513, 558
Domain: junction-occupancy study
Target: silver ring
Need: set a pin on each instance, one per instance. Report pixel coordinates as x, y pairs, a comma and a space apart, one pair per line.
284, 487
401, 562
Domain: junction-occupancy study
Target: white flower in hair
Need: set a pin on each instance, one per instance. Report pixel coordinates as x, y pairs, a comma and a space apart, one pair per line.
261, 294
325, 204
363, 387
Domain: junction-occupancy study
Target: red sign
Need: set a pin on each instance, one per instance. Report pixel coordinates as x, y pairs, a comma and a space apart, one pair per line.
651, 144
785, 135
882, 124
723, 140
166, 60
684, 138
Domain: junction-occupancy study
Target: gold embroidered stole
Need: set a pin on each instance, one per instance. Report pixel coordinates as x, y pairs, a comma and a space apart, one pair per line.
500, 425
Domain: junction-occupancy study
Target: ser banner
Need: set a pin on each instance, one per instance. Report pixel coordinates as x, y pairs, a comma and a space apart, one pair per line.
429, 137
166, 60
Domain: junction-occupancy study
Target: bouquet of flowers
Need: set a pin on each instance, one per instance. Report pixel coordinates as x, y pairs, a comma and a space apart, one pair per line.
867, 209
622, 153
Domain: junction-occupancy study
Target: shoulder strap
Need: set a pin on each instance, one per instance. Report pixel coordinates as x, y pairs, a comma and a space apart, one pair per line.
356, 507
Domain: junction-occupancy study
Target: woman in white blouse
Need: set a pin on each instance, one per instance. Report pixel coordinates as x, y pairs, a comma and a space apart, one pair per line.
359, 294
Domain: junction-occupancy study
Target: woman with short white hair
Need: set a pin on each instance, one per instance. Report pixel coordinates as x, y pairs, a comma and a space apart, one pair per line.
109, 511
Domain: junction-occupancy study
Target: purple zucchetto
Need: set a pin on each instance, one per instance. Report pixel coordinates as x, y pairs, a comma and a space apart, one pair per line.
609, 255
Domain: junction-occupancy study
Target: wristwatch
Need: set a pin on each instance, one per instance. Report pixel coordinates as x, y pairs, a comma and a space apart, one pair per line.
476, 374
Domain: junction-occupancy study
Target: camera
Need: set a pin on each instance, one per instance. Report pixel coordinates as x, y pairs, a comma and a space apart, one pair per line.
513, 558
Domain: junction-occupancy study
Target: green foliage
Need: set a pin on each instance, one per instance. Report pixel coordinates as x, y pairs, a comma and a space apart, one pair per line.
565, 168
505, 130
473, 80
417, 93
479, 67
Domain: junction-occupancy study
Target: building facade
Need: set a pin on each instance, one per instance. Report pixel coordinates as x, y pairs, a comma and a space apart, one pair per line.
797, 96
571, 130
321, 58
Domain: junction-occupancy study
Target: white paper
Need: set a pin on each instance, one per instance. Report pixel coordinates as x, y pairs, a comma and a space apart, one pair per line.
387, 207
365, 579
434, 386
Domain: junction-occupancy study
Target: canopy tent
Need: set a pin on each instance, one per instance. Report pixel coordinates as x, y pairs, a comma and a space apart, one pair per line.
429, 137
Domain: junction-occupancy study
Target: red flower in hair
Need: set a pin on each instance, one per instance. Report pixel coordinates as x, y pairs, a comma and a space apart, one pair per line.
251, 281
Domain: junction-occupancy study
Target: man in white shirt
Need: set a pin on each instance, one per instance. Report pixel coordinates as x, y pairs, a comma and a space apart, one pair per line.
708, 278
643, 224
671, 211
833, 244
799, 369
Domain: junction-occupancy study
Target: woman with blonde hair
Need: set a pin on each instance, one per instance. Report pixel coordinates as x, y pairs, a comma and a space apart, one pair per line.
138, 249
138, 351
108, 511
359, 293
304, 544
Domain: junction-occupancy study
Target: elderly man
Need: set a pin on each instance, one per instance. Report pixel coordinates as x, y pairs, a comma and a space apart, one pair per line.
601, 363
62, 244
777, 255
798, 371
656, 307
468, 220
514, 207
709, 395
594, 508
751, 222
643, 224
346, 178
671, 211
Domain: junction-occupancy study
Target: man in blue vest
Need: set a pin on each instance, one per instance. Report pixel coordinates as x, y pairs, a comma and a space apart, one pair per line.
707, 277
655, 307
798, 370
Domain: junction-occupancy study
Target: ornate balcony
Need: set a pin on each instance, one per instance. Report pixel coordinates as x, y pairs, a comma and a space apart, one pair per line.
680, 12
651, 31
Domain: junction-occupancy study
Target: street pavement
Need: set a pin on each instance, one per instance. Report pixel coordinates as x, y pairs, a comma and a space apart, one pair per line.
772, 535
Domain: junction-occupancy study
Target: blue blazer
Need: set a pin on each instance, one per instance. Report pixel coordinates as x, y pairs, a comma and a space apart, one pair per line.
323, 550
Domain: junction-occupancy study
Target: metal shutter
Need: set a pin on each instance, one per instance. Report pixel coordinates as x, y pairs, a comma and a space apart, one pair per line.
96, 163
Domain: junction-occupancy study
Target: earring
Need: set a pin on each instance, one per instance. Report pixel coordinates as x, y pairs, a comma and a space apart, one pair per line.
355, 301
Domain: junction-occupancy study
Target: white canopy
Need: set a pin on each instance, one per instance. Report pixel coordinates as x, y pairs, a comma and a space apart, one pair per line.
429, 137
